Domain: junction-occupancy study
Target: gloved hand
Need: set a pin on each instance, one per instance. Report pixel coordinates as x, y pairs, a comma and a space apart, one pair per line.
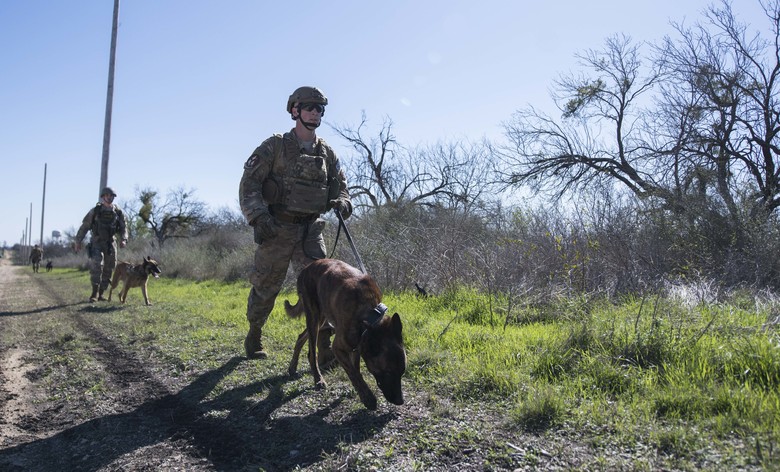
265, 227
343, 206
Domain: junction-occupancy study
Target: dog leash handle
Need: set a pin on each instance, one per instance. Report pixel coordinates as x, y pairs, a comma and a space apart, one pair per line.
349, 239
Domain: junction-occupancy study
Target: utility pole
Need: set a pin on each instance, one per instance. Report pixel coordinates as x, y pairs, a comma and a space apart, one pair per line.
22, 247
29, 235
109, 100
43, 201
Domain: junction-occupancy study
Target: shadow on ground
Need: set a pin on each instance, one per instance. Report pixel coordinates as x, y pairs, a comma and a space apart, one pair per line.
242, 436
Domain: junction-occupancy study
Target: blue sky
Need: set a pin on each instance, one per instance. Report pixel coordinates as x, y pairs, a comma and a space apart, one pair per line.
200, 83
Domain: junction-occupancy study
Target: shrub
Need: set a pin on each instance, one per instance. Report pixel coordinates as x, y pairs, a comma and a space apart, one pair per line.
539, 409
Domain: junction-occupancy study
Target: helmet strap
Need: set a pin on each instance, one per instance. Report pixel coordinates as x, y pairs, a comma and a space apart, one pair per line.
308, 126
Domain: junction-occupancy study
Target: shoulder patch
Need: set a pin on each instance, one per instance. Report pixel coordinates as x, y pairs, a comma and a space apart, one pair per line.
252, 161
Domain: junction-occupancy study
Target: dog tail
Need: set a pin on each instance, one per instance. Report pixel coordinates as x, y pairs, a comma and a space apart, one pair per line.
293, 311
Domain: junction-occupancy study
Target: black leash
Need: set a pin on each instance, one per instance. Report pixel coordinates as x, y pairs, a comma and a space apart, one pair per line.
349, 240
380, 309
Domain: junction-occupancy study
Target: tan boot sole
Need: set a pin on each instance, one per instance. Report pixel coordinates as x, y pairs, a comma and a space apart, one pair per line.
252, 354
257, 355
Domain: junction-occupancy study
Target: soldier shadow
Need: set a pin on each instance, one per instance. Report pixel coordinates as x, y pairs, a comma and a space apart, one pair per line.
35, 311
231, 431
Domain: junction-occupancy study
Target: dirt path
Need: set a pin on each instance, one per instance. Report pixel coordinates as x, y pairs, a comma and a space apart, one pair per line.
127, 427
14, 386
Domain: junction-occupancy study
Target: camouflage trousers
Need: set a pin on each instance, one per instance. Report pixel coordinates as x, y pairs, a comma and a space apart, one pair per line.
296, 244
102, 262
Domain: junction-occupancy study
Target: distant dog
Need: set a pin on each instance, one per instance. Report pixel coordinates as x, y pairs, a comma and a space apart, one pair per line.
134, 275
334, 293
49, 266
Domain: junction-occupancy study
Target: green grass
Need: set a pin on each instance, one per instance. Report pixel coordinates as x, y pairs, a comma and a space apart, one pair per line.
682, 377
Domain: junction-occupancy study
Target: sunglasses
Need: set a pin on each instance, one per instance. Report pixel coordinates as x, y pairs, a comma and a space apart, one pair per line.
318, 107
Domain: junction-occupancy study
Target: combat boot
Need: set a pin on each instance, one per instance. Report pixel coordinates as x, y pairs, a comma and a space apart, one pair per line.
253, 344
94, 296
325, 357
100, 295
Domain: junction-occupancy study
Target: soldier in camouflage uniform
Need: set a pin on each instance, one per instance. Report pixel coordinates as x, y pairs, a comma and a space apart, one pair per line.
289, 181
107, 222
36, 254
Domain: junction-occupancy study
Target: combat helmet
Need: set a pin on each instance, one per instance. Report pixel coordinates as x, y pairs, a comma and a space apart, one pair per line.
107, 191
306, 94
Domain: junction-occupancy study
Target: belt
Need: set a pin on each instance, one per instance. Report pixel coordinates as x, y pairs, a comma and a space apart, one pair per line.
291, 218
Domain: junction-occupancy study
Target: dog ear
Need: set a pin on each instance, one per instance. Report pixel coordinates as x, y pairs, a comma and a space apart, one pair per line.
396, 325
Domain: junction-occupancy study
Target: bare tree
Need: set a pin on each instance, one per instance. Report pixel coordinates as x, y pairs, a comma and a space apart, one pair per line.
726, 80
174, 217
599, 139
385, 174
696, 128
472, 183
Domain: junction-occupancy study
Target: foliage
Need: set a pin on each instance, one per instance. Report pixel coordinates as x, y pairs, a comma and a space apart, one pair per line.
691, 126
524, 259
689, 129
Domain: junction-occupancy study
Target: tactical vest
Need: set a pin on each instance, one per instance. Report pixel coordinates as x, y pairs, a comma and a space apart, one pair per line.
105, 222
299, 182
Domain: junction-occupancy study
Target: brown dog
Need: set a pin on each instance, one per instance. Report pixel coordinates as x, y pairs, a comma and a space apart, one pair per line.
333, 292
134, 275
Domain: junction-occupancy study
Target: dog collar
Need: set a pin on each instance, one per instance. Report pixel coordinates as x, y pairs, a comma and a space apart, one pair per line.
380, 310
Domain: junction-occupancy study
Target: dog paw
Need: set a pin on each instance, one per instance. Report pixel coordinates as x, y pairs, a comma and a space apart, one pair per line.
293, 372
321, 385
369, 401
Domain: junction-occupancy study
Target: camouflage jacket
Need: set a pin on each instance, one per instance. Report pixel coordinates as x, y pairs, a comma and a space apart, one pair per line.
279, 171
36, 254
104, 223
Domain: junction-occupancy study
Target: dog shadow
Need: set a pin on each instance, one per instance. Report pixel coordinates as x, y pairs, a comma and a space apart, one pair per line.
231, 431
100, 307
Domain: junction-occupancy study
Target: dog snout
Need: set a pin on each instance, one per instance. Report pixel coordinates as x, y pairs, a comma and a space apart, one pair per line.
394, 397
390, 386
